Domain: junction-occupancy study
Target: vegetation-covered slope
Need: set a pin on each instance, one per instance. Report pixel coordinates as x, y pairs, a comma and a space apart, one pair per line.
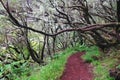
33, 31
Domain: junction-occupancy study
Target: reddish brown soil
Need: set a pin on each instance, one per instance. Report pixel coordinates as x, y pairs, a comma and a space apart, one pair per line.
77, 69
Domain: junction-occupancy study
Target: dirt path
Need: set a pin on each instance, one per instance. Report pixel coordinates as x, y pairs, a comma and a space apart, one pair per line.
77, 69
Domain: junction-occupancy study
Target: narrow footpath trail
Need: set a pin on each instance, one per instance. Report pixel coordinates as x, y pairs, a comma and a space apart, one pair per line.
77, 69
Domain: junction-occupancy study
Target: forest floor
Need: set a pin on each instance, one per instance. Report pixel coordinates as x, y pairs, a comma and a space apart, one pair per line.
77, 69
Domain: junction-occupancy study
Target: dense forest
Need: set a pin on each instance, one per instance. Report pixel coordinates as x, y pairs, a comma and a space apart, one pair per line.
38, 36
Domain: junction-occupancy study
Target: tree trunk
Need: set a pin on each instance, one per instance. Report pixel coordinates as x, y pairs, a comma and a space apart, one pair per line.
118, 19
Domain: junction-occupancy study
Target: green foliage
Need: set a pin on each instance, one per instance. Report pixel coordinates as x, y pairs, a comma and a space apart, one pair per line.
54, 69
14, 0
118, 66
91, 53
103, 73
80, 47
36, 45
14, 70
101, 69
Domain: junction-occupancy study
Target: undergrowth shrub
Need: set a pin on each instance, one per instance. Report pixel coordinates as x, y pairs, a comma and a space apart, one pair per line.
54, 69
101, 67
14, 70
92, 53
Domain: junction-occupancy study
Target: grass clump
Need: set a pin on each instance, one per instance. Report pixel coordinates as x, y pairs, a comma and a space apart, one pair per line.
92, 53
101, 63
14, 70
102, 67
54, 69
